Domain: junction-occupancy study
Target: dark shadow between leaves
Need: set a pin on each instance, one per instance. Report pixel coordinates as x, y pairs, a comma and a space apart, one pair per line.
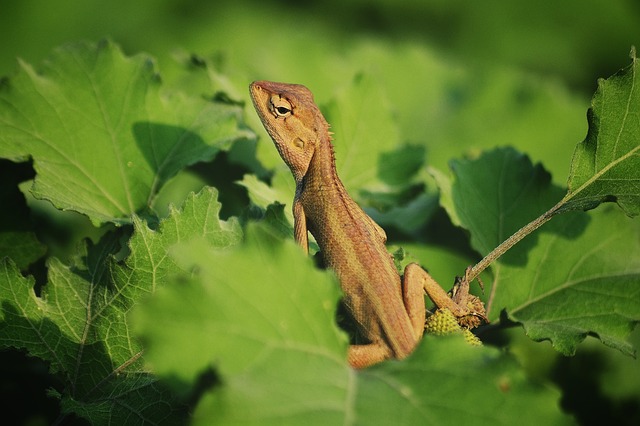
191, 392
581, 380
64, 358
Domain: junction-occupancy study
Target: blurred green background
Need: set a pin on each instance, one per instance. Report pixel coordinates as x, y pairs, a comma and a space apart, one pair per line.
575, 40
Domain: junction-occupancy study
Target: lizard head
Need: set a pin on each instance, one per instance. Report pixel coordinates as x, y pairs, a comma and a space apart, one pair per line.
293, 121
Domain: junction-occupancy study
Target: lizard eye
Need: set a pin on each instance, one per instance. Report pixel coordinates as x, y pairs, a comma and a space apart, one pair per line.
280, 107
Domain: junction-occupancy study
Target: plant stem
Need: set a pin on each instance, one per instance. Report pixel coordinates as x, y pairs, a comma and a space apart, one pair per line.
513, 240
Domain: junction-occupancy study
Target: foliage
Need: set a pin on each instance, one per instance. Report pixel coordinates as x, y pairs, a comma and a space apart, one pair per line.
149, 313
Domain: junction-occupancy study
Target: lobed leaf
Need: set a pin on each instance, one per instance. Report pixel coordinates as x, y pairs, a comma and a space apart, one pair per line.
606, 165
78, 327
103, 135
245, 319
198, 218
80, 322
495, 194
576, 283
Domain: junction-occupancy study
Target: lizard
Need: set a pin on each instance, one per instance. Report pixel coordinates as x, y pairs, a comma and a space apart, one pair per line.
389, 311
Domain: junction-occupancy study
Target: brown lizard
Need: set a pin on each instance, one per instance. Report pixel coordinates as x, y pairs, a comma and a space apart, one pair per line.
388, 314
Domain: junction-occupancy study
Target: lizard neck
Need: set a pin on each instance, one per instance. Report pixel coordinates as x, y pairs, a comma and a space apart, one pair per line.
322, 168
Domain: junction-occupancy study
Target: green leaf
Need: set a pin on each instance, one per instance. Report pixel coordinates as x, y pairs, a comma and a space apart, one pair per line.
244, 317
276, 219
495, 194
577, 285
198, 218
407, 217
103, 134
606, 165
578, 275
281, 190
400, 393
263, 317
80, 326
22, 247
452, 109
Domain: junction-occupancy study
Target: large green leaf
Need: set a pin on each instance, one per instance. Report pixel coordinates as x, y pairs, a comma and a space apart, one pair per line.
263, 317
103, 134
79, 324
606, 165
577, 283
578, 275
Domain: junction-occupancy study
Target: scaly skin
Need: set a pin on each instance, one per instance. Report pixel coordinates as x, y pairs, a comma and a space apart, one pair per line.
389, 315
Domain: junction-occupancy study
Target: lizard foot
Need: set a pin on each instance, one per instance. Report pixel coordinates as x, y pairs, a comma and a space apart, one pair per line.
476, 313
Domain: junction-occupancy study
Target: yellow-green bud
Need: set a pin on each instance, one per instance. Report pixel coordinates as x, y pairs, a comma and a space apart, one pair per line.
442, 323
471, 338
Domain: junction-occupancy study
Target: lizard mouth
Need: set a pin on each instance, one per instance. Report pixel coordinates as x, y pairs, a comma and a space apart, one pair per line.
260, 99
257, 93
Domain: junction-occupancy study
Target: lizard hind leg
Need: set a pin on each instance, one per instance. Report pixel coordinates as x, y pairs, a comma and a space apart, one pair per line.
467, 308
413, 297
421, 278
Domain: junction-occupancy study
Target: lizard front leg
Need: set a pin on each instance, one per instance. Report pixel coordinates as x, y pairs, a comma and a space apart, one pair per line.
300, 226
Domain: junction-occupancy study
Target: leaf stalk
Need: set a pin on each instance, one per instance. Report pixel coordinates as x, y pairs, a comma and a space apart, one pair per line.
514, 239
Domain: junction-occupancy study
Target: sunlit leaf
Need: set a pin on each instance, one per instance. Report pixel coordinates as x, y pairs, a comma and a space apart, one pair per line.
606, 165
103, 135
